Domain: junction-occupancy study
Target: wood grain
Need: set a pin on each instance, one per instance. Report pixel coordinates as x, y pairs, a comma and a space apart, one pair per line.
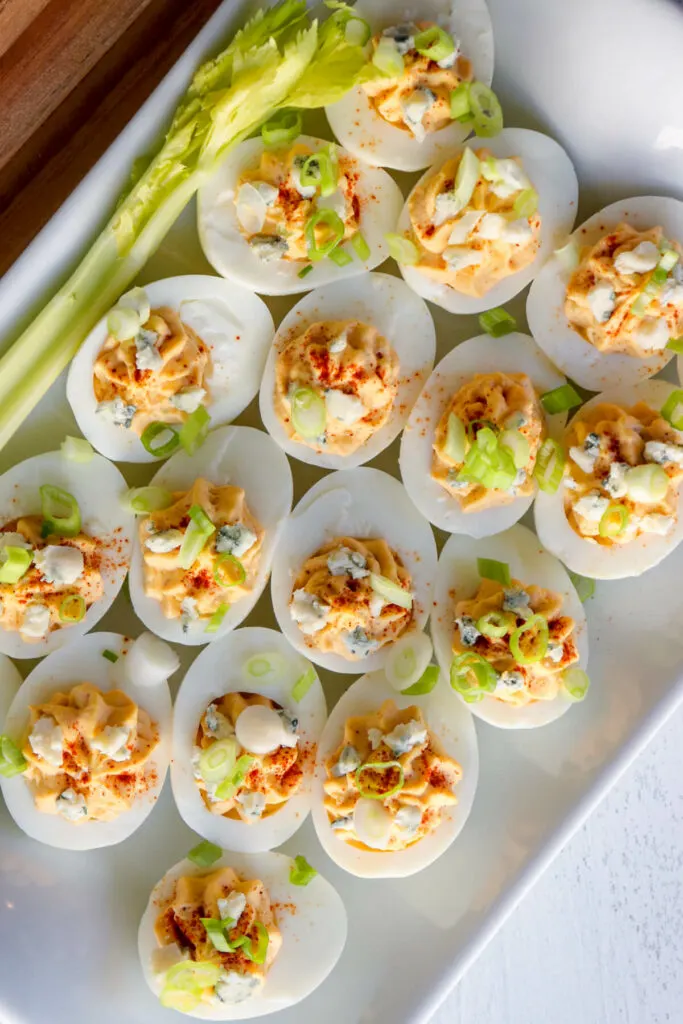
69, 82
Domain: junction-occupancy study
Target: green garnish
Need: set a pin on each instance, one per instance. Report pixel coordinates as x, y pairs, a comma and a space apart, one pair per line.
14, 563
301, 872
160, 449
194, 430
12, 761
497, 322
560, 399
205, 854
303, 684
61, 514
425, 683
379, 767
110, 656
490, 569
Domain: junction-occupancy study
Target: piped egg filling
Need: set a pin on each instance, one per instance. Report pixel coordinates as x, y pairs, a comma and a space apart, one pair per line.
335, 385
352, 597
474, 222
201, 553
158, 375
415, 94
88, 753
626, 294
247, 758
622, 474
487, 441
217, 938
513, 643
388, 781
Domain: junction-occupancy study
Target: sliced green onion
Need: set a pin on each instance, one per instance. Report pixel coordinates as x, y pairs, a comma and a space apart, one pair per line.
390, 591
360, 246
177, 999
110, 656
205, 854
12, 761
560, 399
61, 514
257, 954
583, 586
461, 108
379, 766
301, 872
488, 464
407, 659
646, 484
472, 676
229, 786
282, 128
496, 624
218, 760
14, 563
614, 520
152, 439
640, 305
549, 468
229, 571
199, 529
538, 646
434, 43
672, 410
497, 322
387, 58
321, 171
675, 345
214, 623
77, 449
123, 323
568, 255
576, 683
488, 431
425, 683
455, 444
487, 115
357, 31
526, 203
490, 569
309, 413
192, 976
215, 930
268, 667
668, 260
137, 300
657, 279
341, 257
402, 249
518, 446
305, 271
194, 430
143, 500
72, 608
303, 684
334, 226
466, 177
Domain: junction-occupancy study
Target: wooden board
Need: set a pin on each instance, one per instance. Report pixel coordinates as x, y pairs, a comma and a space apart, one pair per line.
72, 74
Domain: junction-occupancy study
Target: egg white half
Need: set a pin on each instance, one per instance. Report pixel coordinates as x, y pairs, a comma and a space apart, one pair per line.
359, 503
575, 356
552, 174
451, 723
514, 353
98, 487
585, 556
235, 325
457, 579
246, 458
313, 934
83, 662
228, 251
400, 316
10, 681
367, 135
218, 670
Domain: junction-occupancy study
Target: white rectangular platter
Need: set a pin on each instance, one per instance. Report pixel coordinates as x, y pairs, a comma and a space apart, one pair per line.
68, 921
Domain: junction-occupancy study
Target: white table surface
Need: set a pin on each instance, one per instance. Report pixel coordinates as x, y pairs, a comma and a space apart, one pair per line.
599, 939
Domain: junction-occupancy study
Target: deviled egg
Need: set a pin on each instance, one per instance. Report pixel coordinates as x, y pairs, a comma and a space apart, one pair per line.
164, 362
509, 629
10, 681
287, 218
346, 366
424, 51
605, 306
353, 570
477, 228
65, 545
476, 438
248, 717
233, 936
207, 532
91, 734
615, 512
395, 778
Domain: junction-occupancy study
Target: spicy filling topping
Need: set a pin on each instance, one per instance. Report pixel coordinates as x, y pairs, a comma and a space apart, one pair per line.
352, 596
247, 759
474, 222
623, 471
487, 441
217, 939
201, 553
298, 204
511, 641
159, 375
88, 754
388, 781
335, 385
626, 295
